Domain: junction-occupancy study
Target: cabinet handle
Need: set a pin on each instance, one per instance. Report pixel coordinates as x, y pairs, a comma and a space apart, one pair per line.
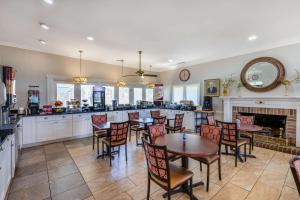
63, 116
1, 148
45, 117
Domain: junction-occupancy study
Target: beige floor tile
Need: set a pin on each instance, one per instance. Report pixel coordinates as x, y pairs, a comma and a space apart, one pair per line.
66, 183
101, 182
262, 191
232, 192
36, 192
79, 193
246, 178
288, 193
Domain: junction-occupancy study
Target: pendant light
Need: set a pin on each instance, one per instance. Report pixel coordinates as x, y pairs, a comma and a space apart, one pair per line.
120, 82
80, 79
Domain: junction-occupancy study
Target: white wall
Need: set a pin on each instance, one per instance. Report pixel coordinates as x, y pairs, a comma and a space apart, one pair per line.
288, 55
33, 67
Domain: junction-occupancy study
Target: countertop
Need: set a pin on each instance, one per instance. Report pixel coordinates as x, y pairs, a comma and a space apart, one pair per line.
7, 129
94, 111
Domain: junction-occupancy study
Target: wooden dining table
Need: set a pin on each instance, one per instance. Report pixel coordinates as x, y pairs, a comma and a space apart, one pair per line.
194, 146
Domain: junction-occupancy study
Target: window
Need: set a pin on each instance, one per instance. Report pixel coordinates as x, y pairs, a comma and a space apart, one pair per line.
109, 95
177, 94
64, 92
86, 92
137, 95
149, 94
192, 93
123, 95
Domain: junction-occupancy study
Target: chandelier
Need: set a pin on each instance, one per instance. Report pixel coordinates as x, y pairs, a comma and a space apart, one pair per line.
120, 82
80, 79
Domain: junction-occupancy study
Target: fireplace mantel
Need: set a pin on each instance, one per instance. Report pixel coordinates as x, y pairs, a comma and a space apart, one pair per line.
285, 102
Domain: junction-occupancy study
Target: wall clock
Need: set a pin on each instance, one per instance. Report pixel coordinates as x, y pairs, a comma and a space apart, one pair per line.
184, 75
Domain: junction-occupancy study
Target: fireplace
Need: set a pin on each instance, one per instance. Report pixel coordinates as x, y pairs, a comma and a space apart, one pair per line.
279, 124
274, 125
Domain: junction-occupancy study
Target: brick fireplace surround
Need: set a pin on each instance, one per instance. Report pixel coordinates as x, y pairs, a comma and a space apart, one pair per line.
289, 113
283, 105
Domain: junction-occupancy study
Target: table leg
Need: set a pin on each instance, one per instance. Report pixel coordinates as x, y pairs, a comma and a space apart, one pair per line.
240, 155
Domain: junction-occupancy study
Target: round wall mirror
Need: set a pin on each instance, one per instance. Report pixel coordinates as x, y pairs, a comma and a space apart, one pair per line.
262, 74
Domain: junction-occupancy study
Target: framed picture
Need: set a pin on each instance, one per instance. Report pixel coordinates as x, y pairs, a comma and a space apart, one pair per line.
212, 87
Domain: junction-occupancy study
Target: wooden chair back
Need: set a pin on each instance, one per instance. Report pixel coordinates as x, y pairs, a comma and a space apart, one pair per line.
211, 120
230, 132
246, 120
295, 169
155, 113
155, 131
133, 116
213, 133
118, 132
159, 120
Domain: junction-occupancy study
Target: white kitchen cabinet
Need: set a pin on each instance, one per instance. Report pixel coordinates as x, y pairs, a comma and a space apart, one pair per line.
118, 115
64, 126
46, 130
13, 155
125, 114
5, 166
82, 124
28, 130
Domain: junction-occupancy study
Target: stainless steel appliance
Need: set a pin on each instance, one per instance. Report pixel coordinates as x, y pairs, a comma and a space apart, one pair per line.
99, 98
34, 99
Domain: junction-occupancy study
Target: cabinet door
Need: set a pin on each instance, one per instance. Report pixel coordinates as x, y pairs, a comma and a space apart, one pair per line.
5, 167
118, 116
29, 130
111, 116
64, 124
125, 115
46, 130
13, 155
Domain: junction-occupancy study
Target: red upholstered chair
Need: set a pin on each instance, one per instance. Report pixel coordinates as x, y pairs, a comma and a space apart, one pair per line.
247, 120
214, 134
163, 173
231, 138
155, 113
117, 138
211, 120
98, 119
177, 124
295, 168
159, 120
134, 125
157, 130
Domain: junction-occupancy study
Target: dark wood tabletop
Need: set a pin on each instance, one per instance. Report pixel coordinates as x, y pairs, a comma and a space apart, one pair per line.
250, 128
102, 126
194, 145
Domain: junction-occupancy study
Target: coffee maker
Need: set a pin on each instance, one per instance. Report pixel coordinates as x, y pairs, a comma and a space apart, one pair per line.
33, 99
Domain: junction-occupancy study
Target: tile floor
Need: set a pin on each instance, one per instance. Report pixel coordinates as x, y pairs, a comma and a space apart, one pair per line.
69, 170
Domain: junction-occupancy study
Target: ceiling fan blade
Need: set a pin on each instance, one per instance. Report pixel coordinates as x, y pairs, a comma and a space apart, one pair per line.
150, 75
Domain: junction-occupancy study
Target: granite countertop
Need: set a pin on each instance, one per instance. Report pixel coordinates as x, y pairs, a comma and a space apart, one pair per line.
7, 129
93, 111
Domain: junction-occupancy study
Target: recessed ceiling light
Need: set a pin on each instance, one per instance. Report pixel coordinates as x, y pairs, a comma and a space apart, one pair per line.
44, 26
252, 37
48, 1
170, 60
90, 38
42, 42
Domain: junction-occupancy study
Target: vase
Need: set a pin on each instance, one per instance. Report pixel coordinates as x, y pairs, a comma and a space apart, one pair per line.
225, 91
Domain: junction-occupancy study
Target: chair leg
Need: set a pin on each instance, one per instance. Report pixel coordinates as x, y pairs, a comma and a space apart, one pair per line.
236, 156
118, 151
102, 150
97, 145
126, 152
219, 168
245, 151
169, 194
250, 145
200, 167
129, 134
136, 138
207, 179
148, 188
252, 142
191, 188
93, 141
226, 149
109, 150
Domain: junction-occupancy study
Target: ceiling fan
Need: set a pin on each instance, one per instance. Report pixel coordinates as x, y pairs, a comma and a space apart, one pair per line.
140, 72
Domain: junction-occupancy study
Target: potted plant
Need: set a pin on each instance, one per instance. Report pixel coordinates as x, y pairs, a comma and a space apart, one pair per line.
227, 83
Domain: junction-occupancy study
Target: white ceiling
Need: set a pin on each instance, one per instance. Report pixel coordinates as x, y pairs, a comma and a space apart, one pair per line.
193, 31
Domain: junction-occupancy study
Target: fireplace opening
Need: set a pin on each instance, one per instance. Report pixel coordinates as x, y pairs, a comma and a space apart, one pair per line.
274, 125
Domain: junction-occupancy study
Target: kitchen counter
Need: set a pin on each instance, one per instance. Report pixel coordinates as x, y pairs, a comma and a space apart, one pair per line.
7, 129
95, 111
